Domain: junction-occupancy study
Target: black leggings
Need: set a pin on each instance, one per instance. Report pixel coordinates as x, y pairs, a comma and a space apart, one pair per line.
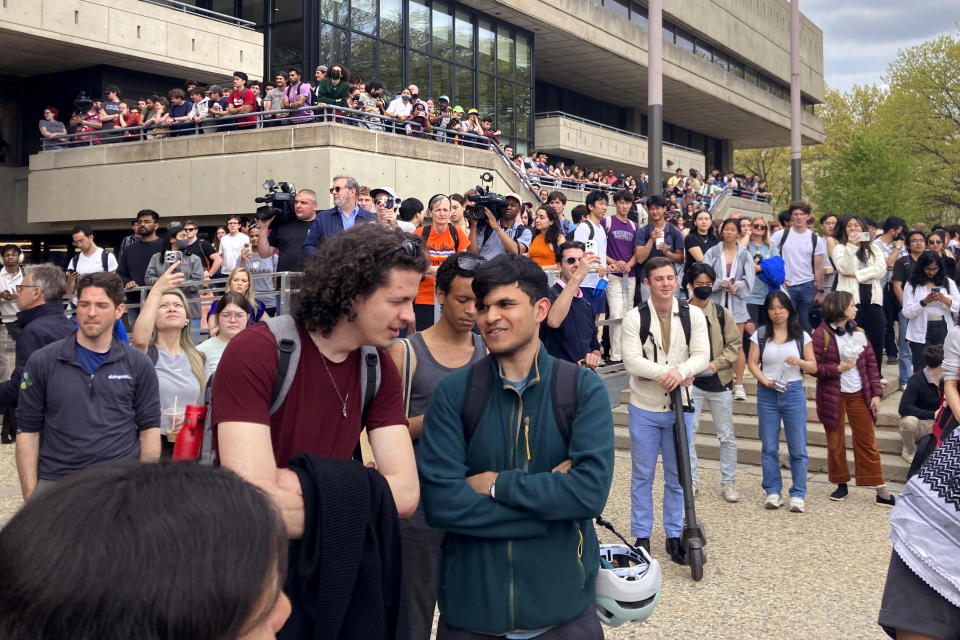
872, 319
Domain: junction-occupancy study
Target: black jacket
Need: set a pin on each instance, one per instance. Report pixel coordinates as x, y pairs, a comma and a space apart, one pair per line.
343, 578
39, 327
920, 399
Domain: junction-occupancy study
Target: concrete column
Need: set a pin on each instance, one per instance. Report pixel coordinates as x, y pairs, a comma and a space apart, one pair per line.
655, 96
726, 155
796, 182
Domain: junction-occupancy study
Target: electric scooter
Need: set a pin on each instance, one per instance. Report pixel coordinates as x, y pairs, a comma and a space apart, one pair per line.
693, 539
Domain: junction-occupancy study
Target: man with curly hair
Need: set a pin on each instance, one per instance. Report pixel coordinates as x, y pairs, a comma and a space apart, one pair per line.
358, 289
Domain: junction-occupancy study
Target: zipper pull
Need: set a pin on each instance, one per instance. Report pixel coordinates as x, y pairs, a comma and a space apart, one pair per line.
526, 435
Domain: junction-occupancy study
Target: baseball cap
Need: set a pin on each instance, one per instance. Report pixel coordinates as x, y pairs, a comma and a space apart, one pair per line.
387, 190
443, 98
515, 197
216, 89
473, 111
458, 109
173, 228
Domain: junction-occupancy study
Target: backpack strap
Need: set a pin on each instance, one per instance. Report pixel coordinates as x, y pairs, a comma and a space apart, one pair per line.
284, 329
564, 392
645, 319
761, 343
684, 313
208, 450
475, 400
425, 234
369, 384
104, 259
783, 238
153, 354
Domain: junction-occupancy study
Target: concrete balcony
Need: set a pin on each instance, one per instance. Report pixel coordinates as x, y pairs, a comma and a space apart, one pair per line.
212, 175
592, 144
46, 36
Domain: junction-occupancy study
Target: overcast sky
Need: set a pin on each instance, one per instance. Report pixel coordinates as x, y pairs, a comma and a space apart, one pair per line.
861, 38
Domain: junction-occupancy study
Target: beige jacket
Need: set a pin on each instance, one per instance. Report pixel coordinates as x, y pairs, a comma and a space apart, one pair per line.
726, 344
648, 361
845, 260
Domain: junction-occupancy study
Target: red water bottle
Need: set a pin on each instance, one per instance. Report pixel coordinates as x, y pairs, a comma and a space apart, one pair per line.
190, 438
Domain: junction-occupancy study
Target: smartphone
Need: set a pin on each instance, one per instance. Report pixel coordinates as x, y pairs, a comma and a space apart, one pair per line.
590, 246
863, 236
171, 257
935, 290
247, 247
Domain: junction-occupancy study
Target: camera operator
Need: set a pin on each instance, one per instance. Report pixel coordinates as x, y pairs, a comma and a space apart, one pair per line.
491, 237
286, 234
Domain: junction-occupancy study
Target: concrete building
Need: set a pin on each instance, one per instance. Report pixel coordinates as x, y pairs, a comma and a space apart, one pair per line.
566, 77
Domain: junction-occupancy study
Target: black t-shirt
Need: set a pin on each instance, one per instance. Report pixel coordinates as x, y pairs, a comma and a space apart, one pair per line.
203, 250
288, 239
694, 239
902, 268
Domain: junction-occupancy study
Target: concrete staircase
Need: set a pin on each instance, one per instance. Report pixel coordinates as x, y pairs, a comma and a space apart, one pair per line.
748, 444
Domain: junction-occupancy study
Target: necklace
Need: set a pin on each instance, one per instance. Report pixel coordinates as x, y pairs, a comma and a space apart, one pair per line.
343, 399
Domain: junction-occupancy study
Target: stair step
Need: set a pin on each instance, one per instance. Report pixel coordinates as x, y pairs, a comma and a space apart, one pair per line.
749, 452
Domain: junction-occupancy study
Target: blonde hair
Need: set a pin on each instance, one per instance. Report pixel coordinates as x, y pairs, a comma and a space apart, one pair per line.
766, 232
186, 344
249, 295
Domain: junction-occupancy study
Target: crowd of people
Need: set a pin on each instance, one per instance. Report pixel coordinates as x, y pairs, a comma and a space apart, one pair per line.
434, 326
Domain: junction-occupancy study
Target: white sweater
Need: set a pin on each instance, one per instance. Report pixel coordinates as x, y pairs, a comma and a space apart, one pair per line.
845, 260
638, 359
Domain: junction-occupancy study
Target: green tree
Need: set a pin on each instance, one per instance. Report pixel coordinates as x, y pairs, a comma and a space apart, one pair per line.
869, 177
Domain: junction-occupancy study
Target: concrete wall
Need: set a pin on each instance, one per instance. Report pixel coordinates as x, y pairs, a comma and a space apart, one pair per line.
151, 34
731, 205
13, 204
219, 174
571, 137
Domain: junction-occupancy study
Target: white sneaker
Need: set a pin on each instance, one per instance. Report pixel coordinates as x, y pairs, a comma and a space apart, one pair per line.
903, 387
883, 381
730, 493
906, 456
796, 505
773, 501
738, 392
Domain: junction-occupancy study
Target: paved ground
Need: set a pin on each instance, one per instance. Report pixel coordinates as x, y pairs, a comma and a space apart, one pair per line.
769, 574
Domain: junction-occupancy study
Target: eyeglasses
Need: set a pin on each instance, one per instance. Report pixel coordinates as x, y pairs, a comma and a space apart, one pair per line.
406, 246
468, 263
233, 316
21, 286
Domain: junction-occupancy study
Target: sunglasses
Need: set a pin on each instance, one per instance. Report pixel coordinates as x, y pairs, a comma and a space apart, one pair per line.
406, 246
190, 229
572, 261
760, 227
338, 189
468, 263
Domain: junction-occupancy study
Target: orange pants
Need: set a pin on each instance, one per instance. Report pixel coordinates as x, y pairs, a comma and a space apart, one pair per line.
866, 457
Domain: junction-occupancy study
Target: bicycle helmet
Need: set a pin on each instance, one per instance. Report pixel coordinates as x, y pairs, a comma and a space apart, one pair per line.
628, 584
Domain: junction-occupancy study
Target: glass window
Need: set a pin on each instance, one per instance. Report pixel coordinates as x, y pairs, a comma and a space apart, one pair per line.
619, 7
638, 15
442, 80
464, 38
463, 93
721, 60
764, 83
524, 107
505, 104
334, 11
252, 10
442, 31
505, 56
486, 45
287, 46
391, 20
684, 40
524, 58
704, 50
487, 98
391, 70
363, 16
283, 9
363, 54
333, 44
750, 75
418, 70
226, 7
419, 16
736, 68
667, 31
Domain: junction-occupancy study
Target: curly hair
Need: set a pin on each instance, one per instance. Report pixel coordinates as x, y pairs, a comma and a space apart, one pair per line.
354, 263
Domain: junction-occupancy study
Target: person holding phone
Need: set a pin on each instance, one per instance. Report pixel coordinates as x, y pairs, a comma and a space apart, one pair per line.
191, 266
861, 269
930, 302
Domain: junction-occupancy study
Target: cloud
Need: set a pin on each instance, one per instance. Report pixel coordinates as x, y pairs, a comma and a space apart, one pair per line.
861, 40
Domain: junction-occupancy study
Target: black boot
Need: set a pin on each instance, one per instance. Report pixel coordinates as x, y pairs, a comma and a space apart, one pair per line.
677, 553
643, 542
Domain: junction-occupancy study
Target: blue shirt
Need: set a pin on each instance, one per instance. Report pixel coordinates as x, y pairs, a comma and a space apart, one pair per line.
351, 219
90, 360
577, 334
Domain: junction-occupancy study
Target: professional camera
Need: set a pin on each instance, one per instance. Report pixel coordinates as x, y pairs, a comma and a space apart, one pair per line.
82, 103
483, 200
279, 197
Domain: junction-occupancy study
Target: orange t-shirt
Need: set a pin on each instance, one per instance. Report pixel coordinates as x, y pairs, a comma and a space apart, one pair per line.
542, 253
439, 247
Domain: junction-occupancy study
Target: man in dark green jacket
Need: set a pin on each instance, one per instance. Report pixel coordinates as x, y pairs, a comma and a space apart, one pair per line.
517, 500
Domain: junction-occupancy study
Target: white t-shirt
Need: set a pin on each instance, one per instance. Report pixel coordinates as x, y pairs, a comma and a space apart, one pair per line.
94, 264
230, 248
582, 234
796, 255
773, 364
850, 381
8, 283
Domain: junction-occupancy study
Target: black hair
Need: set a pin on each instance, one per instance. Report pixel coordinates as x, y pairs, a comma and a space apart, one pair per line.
918, 277
112, 88
892, 223
354, 263
373, 85
698, 269
794, 328
578, 213
241, 75
569, 244
409, 208
933, 355
148, 212
10, 247
624, 195
109, 281
557, 195
554, 231
450, 269
507, 269
916, 232
82, 228
864, 250
596, 196
657, 201
784, 218
133, 550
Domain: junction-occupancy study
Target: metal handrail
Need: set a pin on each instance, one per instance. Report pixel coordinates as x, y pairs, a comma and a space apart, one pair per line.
594, 123
284, 117
206, 13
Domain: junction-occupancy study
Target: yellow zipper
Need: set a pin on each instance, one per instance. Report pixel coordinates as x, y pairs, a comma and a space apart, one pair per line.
526, 435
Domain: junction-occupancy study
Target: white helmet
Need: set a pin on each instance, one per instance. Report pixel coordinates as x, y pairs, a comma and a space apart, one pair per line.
628, 584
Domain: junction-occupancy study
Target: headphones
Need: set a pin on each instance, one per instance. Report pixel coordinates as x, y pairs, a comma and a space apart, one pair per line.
848, 327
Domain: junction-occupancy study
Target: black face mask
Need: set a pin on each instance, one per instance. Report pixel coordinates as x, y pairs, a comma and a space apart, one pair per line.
415, 96
335, 74
702, 293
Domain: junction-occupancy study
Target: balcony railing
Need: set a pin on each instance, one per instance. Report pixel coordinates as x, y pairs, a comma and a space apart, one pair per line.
205, 13
623, 132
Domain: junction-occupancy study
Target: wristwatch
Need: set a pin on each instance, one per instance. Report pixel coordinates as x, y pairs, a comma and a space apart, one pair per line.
923, 303
493, 487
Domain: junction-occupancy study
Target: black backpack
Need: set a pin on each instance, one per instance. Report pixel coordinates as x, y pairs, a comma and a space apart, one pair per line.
813, 238
563, 392
453, 232
683, 312
104, 260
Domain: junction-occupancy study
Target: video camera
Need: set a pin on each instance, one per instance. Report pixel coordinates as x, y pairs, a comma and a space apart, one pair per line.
483, 200
279, 198
82, 103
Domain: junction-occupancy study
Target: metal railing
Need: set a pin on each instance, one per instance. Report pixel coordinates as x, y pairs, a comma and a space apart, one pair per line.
623, 132
205, 13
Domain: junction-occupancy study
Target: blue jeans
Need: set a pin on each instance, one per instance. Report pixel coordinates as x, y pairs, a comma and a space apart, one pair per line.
905, 357
651, 432
791, 407
721, 408
802, 296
